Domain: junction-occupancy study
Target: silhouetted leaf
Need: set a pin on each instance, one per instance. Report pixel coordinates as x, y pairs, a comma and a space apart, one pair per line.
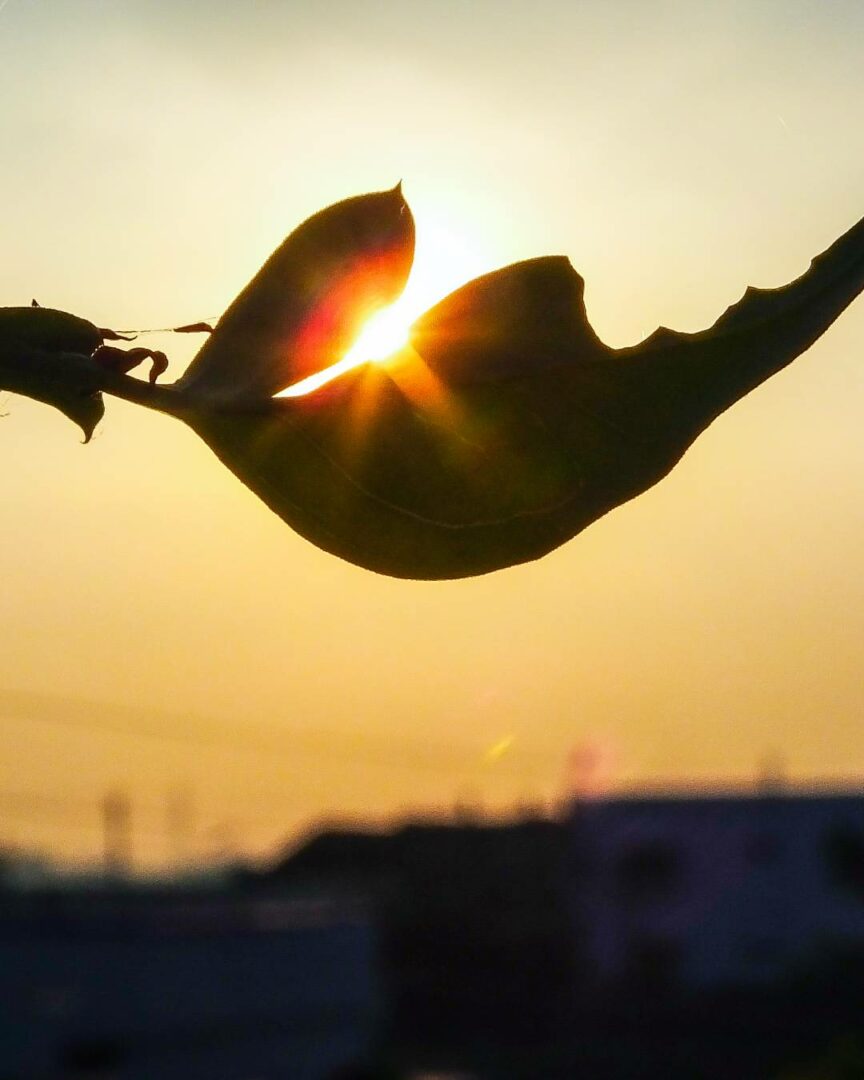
47, 330
114, 335
51, 350
305, 307
506, 426
56, 379
530, 315
194, 328
84, 408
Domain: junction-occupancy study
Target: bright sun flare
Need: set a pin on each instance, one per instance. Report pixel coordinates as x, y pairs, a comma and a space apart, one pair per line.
383, 335
442, 262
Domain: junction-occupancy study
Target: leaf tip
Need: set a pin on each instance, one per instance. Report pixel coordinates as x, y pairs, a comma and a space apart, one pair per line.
87, 415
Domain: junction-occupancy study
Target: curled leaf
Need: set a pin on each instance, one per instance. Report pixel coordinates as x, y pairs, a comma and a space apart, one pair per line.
44, 355
84, 408
506, 426
306, 305
530, 315
123, 361
64, 380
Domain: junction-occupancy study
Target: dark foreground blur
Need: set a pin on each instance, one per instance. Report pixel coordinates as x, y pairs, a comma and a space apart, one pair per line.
700, 936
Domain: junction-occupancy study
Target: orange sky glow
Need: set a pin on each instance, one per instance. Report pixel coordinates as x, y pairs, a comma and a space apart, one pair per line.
165, 635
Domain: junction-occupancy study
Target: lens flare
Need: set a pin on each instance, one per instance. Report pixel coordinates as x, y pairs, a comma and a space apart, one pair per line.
498, 749
382, 336
443, 260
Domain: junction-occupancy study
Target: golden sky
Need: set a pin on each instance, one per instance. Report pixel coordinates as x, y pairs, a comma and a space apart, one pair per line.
162, 631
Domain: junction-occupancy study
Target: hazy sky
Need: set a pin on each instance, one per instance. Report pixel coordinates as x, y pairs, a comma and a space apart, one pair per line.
162, 631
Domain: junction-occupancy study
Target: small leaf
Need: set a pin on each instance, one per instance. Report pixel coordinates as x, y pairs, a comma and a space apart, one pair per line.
44, 355
506, 427
83, 408
64, 380
114, 335
193, 328
305, 307
48, 330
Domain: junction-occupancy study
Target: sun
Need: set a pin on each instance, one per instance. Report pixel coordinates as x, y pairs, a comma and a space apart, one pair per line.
383, 335
442, 262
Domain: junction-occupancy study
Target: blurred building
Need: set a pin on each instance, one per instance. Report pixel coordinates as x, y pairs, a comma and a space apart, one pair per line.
208, 986
706, 890
624, 939
617, 941
476, 929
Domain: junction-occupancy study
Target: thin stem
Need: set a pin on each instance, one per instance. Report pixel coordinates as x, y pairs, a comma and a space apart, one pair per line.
31, 372
166, 399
